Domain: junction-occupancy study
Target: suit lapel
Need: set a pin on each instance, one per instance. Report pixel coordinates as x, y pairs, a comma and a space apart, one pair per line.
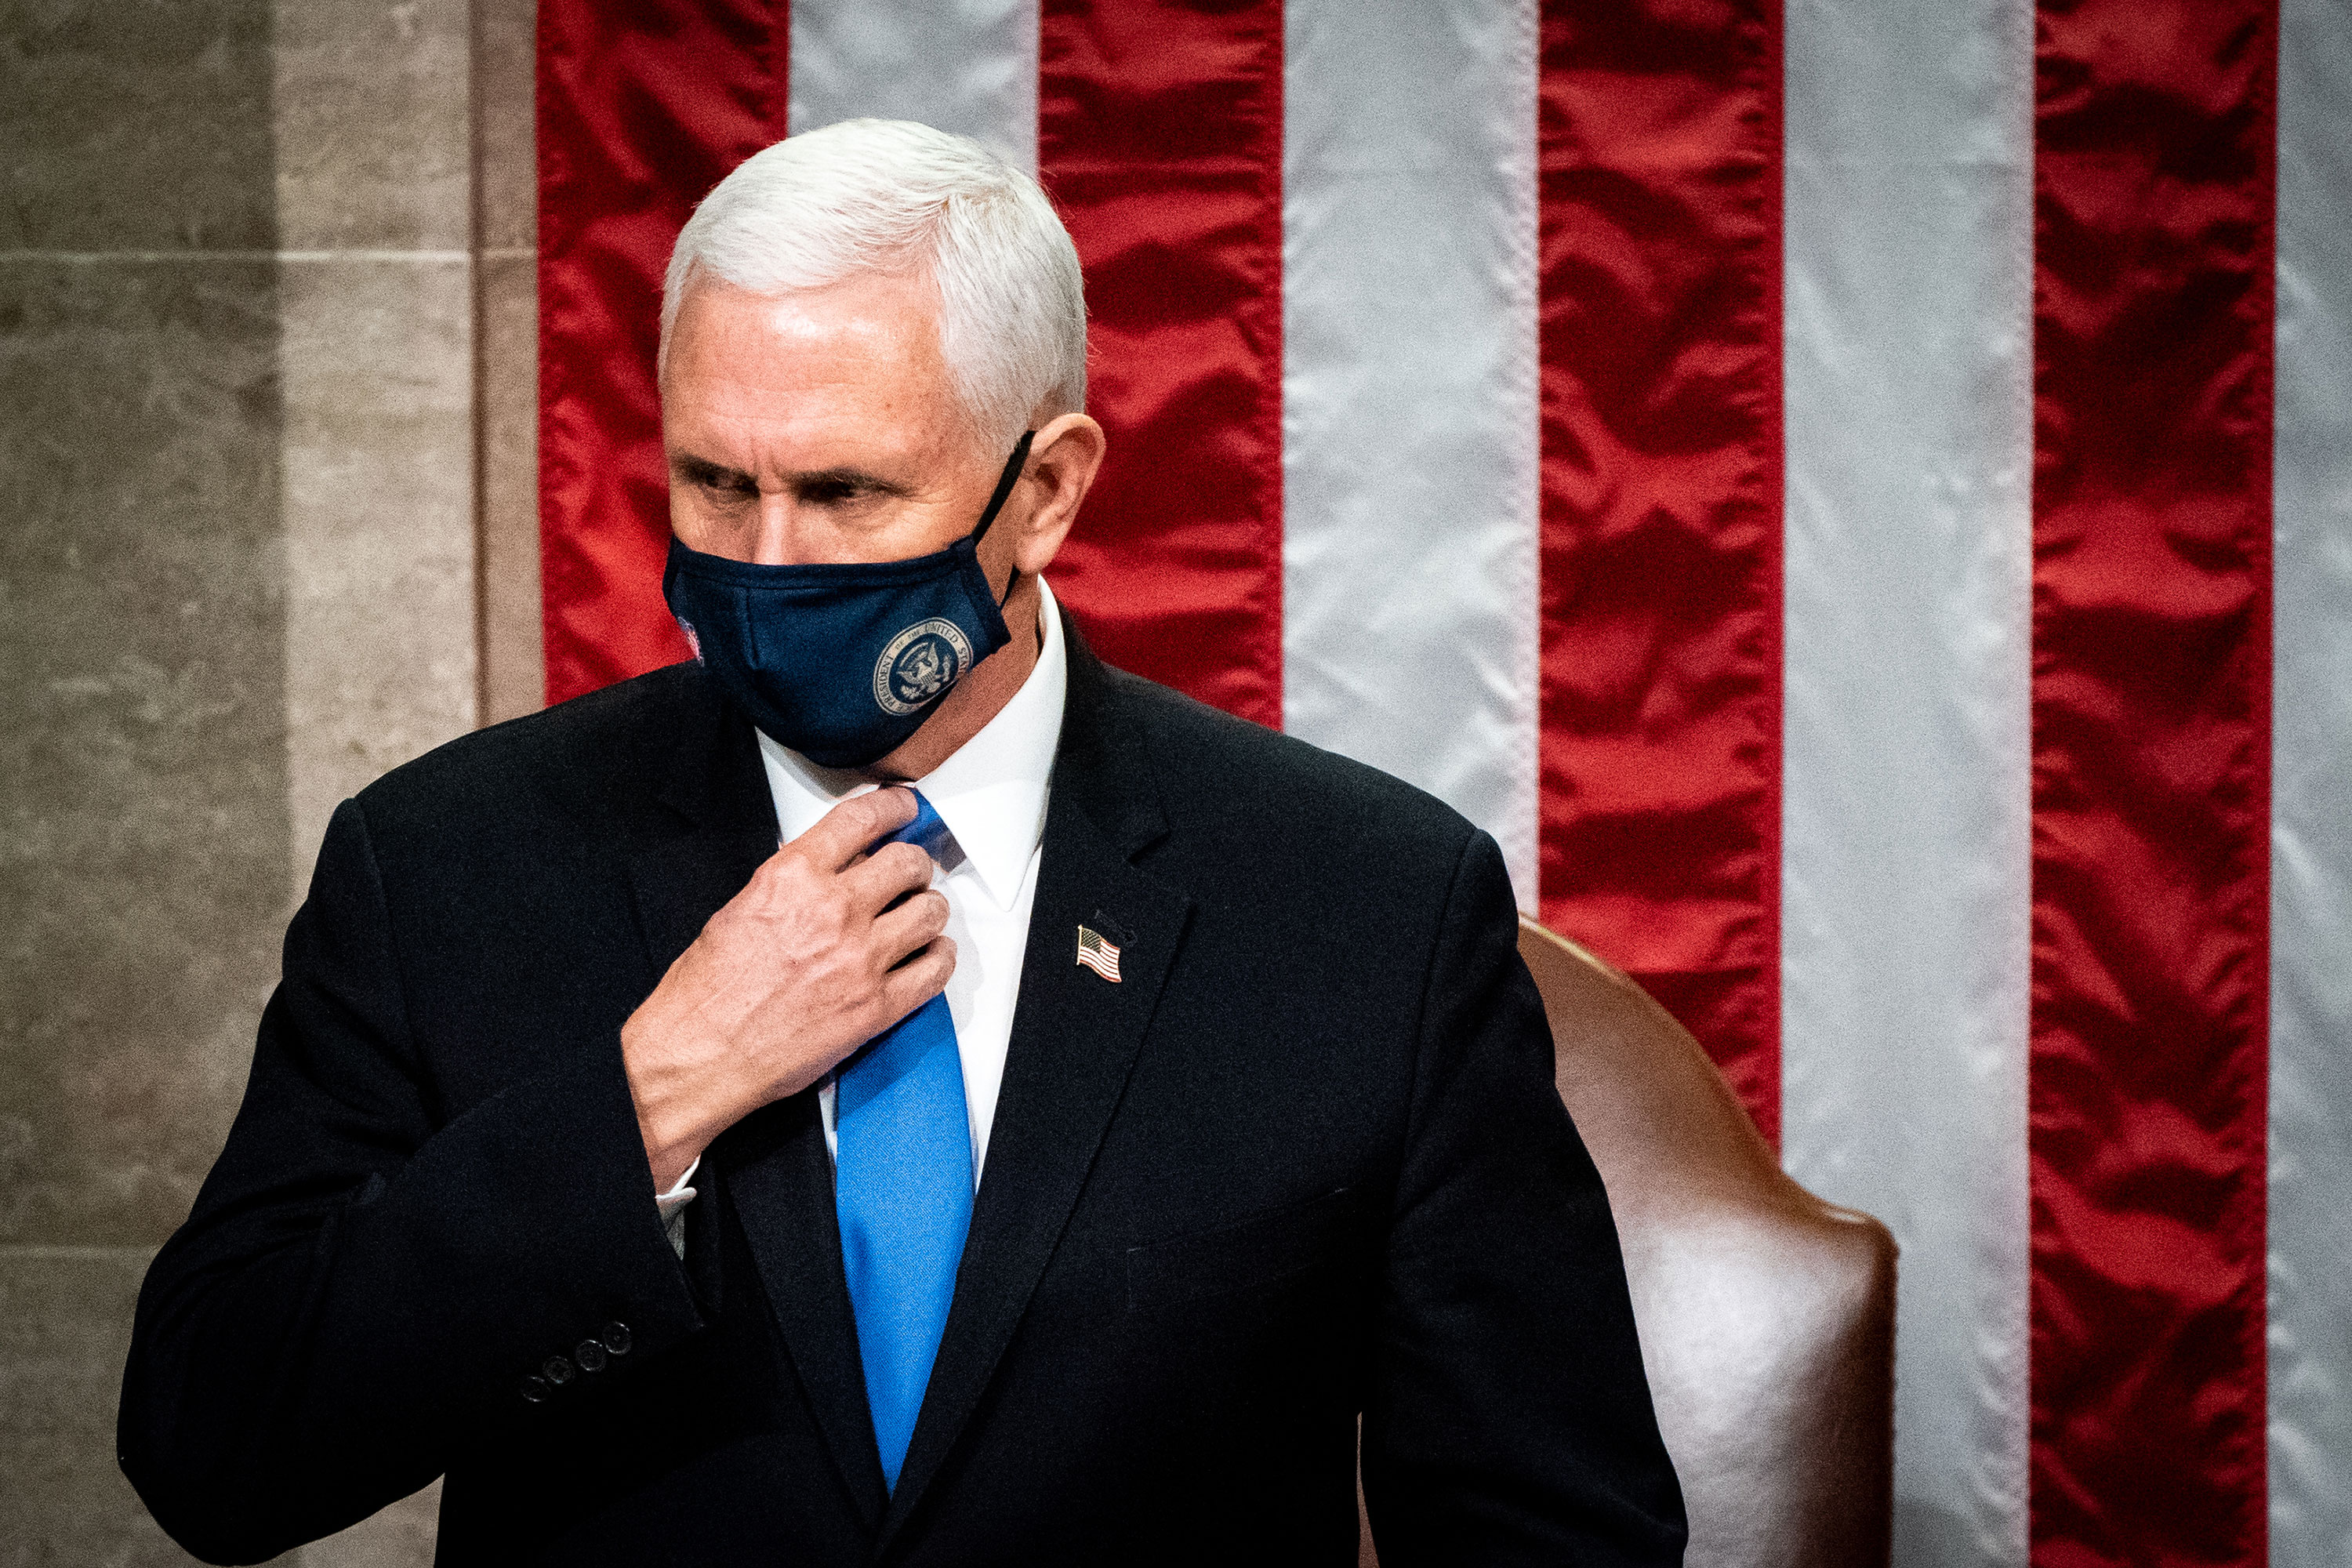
1074, 1039
778, 1178
771, 1168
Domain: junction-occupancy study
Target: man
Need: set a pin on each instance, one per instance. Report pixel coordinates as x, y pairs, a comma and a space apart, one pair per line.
1048, 1163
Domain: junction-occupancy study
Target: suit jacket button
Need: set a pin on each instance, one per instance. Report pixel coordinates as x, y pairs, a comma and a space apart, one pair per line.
617, 1337
590, 1354
535, 1389
556, 1370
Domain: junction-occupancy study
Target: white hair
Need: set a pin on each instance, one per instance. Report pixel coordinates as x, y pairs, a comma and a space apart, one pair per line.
896, 198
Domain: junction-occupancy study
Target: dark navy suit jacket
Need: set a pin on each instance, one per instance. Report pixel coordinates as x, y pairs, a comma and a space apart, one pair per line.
1303, 1162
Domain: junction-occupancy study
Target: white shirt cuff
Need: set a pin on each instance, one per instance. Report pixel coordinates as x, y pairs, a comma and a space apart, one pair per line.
672, 1204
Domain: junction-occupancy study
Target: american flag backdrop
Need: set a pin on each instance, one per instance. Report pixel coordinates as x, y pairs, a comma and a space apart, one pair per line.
1854, 495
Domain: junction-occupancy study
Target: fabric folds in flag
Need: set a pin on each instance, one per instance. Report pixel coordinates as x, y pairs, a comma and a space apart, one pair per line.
1855, 498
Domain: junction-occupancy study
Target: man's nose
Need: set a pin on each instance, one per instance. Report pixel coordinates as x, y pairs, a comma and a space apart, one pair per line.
784, 536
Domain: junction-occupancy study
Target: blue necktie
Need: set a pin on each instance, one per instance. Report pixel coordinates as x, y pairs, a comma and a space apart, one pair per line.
902, 1188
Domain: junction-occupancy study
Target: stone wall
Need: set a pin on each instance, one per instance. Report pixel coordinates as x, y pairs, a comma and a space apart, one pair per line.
267, 527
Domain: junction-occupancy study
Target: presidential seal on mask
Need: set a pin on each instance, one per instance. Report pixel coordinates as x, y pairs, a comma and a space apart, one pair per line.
919, 665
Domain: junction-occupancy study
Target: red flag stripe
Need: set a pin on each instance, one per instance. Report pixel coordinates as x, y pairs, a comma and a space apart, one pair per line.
1659, 140
641, 110
1160, 139
2154, 170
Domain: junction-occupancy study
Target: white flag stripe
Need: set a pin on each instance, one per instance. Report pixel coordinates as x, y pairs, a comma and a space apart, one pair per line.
1905, 872
2311, 848
966, 66
1410, 574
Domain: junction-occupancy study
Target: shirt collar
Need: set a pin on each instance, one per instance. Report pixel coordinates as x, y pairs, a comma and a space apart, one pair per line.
991, 791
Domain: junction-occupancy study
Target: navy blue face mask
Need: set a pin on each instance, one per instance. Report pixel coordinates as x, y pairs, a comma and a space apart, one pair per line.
842, 662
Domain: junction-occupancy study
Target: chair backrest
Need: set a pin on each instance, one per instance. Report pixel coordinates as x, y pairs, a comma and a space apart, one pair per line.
1767, 1316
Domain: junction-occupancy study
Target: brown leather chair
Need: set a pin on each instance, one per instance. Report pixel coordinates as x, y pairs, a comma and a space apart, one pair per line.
1767, 1316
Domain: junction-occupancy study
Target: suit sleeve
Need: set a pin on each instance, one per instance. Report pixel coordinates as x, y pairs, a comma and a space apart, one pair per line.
1508, 1418
363, 1286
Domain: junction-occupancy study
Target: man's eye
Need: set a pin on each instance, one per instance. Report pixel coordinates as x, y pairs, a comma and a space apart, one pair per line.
831, 492
730, 487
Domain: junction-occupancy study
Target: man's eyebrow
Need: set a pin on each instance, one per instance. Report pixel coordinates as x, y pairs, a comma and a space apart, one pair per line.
703, 471
687, 465
848, 479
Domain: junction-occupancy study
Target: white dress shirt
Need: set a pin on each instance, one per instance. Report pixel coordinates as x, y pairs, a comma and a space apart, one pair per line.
991, 793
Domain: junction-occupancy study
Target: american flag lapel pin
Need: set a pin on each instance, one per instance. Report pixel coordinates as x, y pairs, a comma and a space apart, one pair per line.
1098, 953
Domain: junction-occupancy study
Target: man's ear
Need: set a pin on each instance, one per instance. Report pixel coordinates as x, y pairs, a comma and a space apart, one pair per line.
1063, 460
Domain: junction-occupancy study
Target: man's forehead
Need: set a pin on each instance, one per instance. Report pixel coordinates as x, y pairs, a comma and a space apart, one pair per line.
875, 336
844, 386
877, 313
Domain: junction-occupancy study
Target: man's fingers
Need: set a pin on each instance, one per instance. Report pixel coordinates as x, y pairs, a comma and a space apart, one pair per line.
890, 872
920, 978
849, 829
912, 924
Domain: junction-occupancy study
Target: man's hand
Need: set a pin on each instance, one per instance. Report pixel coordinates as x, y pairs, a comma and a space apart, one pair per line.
799, 969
